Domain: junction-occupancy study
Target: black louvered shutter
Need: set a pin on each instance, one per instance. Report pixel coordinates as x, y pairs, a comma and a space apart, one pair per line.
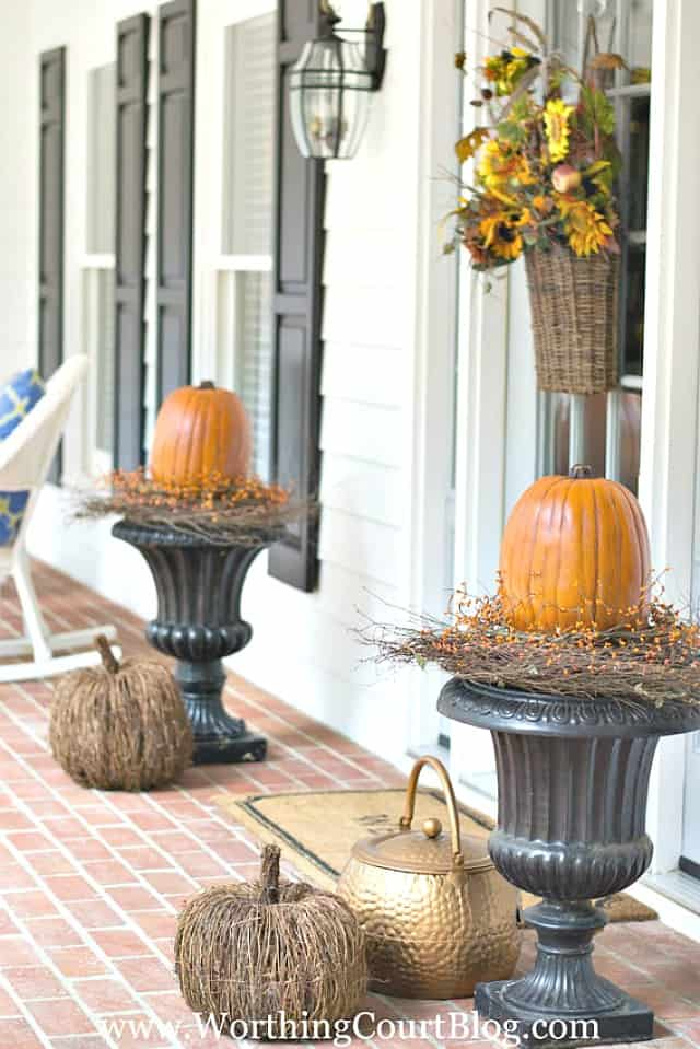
176, 78
297, 307
52, 103
132, 103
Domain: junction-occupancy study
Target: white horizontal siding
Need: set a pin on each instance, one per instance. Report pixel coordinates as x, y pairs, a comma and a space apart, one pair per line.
368, 547
364, 431
350, 597
367, 386
362, 315
361, 252
369, 490
18, 232
362, 373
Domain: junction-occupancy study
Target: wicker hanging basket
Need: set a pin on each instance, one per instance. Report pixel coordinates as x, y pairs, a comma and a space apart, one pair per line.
574, 304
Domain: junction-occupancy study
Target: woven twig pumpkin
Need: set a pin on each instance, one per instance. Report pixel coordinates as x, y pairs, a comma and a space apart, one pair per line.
120, 727
253, 952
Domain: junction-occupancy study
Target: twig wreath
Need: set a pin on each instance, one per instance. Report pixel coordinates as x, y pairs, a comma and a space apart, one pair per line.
651, 657
220, 511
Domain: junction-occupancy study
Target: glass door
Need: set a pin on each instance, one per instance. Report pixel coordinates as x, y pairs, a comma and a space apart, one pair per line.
603, 431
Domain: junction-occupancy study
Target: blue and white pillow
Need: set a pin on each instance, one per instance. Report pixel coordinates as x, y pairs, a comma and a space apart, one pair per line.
17, 398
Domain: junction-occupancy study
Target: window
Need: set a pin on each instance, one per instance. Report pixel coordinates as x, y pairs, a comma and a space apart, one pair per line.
604, 430
244, 269
98, 263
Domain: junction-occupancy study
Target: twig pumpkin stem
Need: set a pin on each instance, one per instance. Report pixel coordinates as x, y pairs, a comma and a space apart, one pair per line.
109, 660
270, 874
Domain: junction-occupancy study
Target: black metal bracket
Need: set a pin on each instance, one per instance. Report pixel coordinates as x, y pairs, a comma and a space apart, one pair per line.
373, 32
375, 52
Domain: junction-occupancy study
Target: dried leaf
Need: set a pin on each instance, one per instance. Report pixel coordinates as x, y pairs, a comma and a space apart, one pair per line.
608, 61
524, 41
522, 20
467, 147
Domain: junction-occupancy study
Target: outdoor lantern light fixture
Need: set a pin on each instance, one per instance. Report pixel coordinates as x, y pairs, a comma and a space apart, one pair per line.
330, 86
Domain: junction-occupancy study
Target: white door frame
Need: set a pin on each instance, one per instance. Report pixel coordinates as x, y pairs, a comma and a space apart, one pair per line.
672, 340
430, 425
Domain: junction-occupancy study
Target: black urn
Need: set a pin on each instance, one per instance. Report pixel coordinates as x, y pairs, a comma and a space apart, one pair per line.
573, 779
198, 621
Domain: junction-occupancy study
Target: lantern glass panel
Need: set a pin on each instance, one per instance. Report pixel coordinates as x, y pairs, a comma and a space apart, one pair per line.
330, 93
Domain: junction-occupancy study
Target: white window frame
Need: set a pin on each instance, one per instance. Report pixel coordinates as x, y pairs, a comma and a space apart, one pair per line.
93, 265
216, 273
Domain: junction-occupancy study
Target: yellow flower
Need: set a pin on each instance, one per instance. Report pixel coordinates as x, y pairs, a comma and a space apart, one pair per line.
556, 117
586, 228
506, 70
503, 169
501, 238
542, 204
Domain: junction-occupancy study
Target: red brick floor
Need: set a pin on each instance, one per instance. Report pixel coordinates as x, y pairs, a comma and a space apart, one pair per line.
90, 884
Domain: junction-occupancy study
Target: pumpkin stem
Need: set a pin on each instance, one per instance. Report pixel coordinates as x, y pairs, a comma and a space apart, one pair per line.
270, 874
109, 660
578, 471
207, 385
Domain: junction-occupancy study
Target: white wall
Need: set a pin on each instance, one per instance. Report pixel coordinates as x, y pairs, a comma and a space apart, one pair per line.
370, 339
18, 228
302, 649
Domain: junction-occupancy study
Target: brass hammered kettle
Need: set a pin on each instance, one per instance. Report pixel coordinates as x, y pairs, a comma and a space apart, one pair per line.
437, 916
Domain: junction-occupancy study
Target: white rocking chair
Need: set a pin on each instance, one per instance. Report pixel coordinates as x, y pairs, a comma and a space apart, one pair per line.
25, 458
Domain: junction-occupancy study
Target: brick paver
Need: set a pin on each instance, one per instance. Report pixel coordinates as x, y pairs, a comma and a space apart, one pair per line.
90, 884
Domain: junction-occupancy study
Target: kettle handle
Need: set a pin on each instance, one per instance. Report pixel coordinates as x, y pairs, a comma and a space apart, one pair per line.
450, 801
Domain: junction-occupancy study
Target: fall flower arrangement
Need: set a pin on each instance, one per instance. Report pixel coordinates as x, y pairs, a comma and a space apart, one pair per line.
545, 162
544, 167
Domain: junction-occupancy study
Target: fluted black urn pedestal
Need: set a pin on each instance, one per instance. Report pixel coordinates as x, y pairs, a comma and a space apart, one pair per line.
573, 779
198, 621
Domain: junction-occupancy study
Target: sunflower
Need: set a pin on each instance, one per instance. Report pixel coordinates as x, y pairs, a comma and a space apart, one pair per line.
502, 168
588, 231
501, 237
507, 69
556, 118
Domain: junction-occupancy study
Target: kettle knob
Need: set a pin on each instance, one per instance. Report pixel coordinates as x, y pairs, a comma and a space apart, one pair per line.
432, 828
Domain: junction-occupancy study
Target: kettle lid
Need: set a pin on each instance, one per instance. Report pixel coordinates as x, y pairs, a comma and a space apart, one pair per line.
426, 851
423, 851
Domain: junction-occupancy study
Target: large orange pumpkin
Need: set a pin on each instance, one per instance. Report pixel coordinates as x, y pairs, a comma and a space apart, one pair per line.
575, 550
201, 432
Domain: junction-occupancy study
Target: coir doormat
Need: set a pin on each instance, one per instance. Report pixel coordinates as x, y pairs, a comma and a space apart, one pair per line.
317, 830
